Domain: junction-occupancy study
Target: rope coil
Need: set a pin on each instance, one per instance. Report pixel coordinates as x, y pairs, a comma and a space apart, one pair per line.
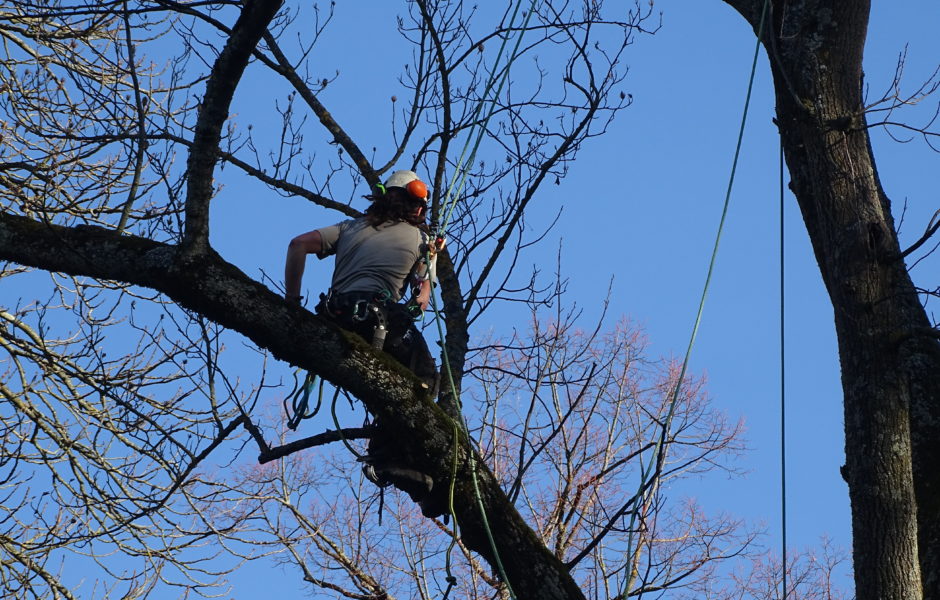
298, 410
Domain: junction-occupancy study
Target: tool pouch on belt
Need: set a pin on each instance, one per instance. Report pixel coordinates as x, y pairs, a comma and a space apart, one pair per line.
353, 312
366, 314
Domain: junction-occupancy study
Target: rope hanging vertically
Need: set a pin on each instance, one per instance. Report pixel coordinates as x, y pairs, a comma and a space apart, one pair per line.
459, 176
650, 474
783, 395
448, 204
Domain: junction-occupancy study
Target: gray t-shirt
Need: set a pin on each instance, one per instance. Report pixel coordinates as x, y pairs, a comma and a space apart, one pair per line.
372, 259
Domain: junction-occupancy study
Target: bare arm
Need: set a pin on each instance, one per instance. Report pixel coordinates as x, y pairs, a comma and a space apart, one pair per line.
297, 251
423, 297
424, 294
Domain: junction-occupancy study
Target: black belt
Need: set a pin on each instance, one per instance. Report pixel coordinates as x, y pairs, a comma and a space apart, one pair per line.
359, 306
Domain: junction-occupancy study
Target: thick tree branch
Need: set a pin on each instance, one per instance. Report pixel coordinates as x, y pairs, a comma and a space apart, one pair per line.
226, 73
221, 292
351, 433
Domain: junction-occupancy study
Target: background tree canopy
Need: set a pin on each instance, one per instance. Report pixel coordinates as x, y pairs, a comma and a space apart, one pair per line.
145, 449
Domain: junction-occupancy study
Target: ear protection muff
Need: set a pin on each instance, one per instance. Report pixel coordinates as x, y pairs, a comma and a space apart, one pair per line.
418, 190
408, 181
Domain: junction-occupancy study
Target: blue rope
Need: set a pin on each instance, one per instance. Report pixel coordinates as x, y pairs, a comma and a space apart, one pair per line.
300, 401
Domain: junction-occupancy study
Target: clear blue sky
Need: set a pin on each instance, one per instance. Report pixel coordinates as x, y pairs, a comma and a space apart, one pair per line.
671, 154
647, 198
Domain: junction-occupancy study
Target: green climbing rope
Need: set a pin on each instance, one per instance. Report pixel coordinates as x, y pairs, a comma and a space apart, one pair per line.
450, 199
459, 177
653, 469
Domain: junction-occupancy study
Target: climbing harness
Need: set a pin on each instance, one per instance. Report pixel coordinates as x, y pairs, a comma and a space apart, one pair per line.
355, 308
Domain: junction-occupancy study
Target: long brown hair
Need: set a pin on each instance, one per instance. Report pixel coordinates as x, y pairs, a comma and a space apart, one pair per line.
395, 204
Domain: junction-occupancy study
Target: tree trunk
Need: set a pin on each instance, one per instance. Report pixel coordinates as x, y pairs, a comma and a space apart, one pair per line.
887, 348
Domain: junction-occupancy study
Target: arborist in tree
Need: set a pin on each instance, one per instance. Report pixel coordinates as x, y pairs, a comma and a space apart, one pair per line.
378, 257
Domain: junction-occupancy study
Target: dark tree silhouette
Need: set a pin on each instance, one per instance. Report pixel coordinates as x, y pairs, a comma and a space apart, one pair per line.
888, 347
121, 419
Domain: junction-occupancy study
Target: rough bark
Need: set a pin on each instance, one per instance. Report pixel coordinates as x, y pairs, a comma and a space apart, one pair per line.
220, 89
457, 338
890, 360
221, 292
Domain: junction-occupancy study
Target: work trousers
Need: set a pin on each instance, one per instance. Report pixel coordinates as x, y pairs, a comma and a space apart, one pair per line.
354, 311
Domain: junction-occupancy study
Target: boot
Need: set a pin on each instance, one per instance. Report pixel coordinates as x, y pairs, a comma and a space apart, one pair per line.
416, 484
435, 505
